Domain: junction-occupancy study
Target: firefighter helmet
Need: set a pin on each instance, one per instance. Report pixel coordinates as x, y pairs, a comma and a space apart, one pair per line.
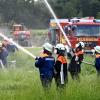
48, 47
80, 44
97, 49
60, 47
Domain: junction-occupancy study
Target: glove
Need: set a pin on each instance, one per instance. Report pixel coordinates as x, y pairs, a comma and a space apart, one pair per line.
36, 58
76, 58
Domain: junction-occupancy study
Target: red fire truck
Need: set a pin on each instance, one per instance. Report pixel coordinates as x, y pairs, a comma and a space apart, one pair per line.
86, 30
21, 34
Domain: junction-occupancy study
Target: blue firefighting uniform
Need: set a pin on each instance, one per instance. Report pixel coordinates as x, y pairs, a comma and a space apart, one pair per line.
3, 56
11, 48
45, 63
97, 63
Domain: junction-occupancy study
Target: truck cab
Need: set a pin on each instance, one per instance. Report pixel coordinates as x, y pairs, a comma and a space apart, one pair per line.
85, 30
21, 34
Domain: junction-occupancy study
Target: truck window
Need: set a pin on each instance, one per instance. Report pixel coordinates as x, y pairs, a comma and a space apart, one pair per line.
88, 30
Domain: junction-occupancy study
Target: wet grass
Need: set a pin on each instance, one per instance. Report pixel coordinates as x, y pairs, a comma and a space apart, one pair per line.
39, 31
23, 83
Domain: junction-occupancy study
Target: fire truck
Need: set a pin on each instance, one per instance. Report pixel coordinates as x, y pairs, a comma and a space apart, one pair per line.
86, 30
21, 34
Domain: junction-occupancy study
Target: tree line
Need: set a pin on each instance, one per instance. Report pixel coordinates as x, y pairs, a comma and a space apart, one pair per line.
36, 15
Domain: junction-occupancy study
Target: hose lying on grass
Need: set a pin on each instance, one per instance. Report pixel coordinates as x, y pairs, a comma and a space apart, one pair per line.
88, 63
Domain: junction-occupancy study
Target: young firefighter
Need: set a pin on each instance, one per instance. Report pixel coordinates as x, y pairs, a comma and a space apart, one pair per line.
60, 68
45, 63
76, 60
97, 59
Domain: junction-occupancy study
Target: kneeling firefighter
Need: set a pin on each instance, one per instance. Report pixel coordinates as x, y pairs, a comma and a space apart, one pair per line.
76, 60
45, 63
60, 68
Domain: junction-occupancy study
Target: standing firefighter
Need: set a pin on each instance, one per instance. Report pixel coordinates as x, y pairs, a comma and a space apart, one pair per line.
76, 60
97, 59
60, 67
3, 55
45, 63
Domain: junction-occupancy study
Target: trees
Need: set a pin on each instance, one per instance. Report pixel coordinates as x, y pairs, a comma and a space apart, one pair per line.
37, 15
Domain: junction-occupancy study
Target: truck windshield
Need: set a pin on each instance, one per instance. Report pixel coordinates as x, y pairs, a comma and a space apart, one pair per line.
88, 30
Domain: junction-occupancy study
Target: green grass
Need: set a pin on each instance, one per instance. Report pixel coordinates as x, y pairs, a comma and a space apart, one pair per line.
39, 32
23, 83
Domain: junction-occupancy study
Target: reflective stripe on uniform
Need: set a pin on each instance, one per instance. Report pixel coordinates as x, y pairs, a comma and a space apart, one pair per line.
49, 59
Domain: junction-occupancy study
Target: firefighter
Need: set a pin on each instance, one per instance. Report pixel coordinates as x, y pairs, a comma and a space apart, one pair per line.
97, 59
60, 68
45, 63
76, 60
9, 46
3, 55
67, 29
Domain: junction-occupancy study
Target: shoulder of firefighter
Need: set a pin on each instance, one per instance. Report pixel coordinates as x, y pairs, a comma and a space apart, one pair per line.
11, 48
45, 63
79, 56
40, 61
62, 59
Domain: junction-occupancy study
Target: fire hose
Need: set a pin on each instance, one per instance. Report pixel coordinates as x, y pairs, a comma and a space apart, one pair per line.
88, 63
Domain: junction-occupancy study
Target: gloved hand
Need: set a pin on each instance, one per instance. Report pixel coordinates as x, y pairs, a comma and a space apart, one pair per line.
76, 58
36, 58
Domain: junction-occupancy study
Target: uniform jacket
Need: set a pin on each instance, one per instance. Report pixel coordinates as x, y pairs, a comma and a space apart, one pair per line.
74, 65
97, 61
61, 60
45, 63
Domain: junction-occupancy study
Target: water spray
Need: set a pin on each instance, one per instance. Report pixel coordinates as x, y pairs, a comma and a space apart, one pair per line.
54, 15
18, 46
66, 38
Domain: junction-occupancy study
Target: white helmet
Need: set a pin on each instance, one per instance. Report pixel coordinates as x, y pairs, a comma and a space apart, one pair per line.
60, 47
97, 49
80, 43
48, 47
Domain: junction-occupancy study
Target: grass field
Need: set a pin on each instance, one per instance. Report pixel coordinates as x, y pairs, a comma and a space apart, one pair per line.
22, 82
39, 31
